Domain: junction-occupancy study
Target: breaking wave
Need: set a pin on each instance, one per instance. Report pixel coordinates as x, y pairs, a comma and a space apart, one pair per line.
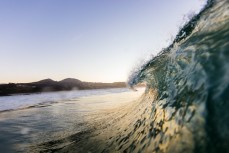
186, 102
191, 79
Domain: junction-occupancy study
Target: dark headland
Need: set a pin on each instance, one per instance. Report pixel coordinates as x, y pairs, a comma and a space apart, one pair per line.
48, 85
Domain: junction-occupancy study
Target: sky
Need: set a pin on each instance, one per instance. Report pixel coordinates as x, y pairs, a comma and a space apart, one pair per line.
91, 40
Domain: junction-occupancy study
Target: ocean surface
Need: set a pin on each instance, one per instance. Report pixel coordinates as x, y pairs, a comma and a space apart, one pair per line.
48, 122
26, 100
184, 108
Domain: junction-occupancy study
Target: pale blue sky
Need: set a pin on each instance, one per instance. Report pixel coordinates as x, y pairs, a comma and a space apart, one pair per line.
92, 40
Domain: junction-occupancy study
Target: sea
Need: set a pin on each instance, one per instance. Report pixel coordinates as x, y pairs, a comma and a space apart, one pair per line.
47, 122
183, 109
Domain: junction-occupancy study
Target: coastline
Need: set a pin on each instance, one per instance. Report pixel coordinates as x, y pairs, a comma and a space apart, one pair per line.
49, 85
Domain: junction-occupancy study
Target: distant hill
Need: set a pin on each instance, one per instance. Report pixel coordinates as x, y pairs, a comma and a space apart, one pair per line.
71, 83
47, 85
70, 80
45, 81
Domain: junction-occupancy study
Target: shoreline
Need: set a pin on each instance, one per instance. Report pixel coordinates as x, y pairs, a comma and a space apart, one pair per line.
49, 85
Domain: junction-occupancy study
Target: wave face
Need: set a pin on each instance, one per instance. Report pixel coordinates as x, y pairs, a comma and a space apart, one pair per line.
191, 77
